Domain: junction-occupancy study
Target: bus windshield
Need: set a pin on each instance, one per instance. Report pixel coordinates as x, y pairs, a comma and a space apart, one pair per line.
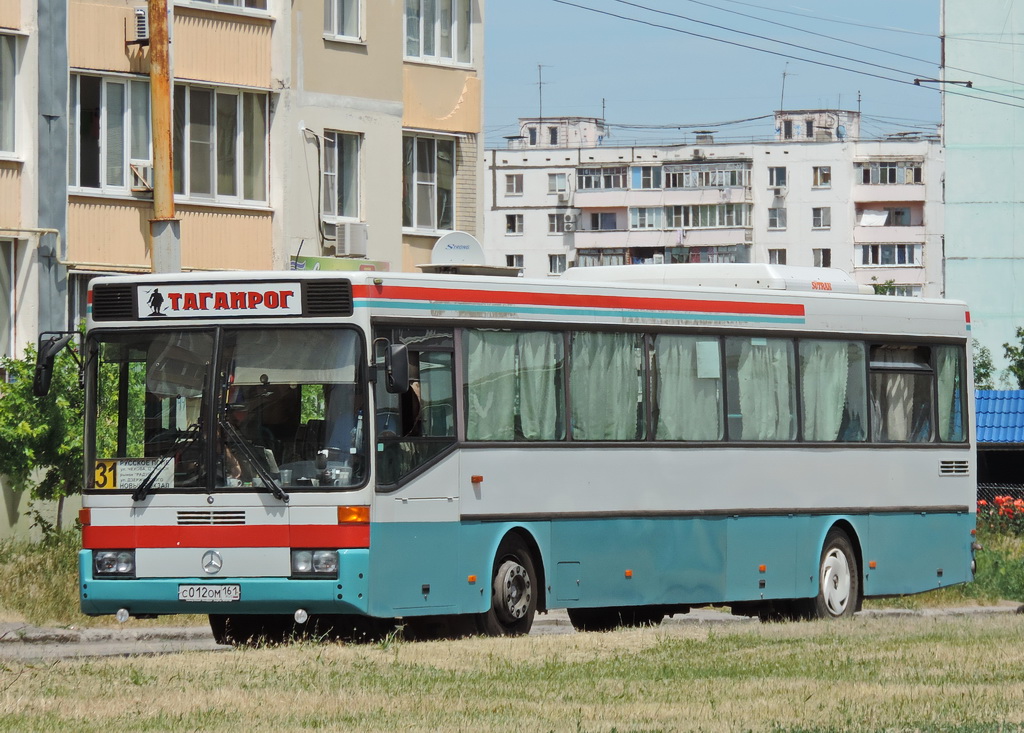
268, 407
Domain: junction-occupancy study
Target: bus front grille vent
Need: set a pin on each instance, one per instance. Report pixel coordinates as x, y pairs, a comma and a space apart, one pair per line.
329, 298
954, 468
202, 516
113, 303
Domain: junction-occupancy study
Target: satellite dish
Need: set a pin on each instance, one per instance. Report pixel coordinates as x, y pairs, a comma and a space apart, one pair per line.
457, 248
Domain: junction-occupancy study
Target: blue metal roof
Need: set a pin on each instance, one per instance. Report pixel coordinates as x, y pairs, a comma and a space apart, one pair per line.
1000, 415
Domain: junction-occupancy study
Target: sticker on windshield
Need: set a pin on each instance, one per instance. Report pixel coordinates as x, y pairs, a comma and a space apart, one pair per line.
128, 473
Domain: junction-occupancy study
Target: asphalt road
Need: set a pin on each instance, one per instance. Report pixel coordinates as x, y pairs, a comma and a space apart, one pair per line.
23, 642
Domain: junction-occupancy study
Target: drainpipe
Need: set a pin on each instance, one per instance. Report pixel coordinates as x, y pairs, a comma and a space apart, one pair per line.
164, 228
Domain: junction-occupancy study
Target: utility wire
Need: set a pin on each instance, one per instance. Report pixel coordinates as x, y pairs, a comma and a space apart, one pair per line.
792, 45
849, 42
783, 55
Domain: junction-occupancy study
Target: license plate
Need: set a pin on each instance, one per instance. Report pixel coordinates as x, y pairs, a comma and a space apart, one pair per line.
202, 593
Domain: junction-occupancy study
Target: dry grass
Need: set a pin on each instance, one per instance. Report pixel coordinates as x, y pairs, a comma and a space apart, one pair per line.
892, 674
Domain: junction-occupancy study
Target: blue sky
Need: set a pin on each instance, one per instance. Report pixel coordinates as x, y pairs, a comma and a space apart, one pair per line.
650, 75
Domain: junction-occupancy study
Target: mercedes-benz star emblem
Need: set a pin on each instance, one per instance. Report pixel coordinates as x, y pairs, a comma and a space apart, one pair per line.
212, 562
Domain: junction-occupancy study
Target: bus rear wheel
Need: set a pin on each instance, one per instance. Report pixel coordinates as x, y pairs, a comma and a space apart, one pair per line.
838, 578
513, 591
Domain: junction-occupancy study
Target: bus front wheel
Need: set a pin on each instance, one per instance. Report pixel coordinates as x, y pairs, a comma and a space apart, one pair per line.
838, 578
513, 591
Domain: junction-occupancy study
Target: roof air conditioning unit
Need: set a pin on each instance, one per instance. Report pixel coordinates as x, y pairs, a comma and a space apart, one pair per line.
351, 239
142, 26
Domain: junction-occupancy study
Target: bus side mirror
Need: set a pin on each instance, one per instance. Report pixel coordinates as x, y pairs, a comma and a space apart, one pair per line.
396, 368
50, 344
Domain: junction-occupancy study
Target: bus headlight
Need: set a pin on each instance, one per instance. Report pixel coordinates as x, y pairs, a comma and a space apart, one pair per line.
315, 563
114, 563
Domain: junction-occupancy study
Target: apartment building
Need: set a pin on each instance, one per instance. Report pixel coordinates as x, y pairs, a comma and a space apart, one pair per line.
815, 193
322, 133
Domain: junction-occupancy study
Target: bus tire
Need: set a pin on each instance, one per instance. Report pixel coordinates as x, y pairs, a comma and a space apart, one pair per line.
513, 591
838, 578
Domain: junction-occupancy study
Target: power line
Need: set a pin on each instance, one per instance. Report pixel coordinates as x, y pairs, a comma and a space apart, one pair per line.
791, 45
784, 55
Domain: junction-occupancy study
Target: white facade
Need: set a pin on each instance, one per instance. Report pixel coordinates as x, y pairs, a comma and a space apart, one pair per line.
870, 207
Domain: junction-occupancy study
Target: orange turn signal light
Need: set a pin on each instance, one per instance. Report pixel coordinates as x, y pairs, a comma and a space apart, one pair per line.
762, 568
872, 564
476, 479
629, 573
353, 515
471, 579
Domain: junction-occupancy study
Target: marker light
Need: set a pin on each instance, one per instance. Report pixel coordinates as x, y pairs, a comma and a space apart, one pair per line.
353, 515
85, 517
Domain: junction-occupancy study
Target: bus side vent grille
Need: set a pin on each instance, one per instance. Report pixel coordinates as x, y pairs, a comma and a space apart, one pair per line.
224, 516
329, 298
954, 468
113, 303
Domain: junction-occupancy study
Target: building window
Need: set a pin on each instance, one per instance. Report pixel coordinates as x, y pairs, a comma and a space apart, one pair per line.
890, 171
822, 176
809, 129
611, 177
600, 257
822, 257
532, 131
787, 129
645, 217
553, 136
245, 4
707, 175
776, 218
603, 221
890, 216
556, 264
556, 223
514, 184
341, 175
7, 299
890, 255
707, 216
513, 223
777, 176
514, 261
776, 257
341, 18
439, 31
557, 183
821, 217
220, 144
906, 291
8, 77
428, 181
646, 176
108, 132
725, 253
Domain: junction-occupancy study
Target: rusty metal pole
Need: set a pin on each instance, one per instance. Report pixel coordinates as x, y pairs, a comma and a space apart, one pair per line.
164, 230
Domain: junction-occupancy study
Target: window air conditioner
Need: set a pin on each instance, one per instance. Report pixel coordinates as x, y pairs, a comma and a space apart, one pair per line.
570, 226
351, 239
141, 25
779, 191
563, 197
569, 218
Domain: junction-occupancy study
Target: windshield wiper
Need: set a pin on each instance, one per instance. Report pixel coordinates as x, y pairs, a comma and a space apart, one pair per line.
257, 465
184, 440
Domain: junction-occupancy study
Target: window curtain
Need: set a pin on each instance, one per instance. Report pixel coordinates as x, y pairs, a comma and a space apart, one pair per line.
511, 373
951, 423
689, 384
766, 396
605, 386
490, 385
824, 371
892, 406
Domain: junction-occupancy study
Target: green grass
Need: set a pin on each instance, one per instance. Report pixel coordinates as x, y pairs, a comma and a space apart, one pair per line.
40, 582
864, 674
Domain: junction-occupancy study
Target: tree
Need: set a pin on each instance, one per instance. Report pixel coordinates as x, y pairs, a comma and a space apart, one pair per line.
984, 369
1015, 357
44, 433
886, 288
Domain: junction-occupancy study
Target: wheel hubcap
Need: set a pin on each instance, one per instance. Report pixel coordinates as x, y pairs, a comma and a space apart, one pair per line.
515, 590
835, 582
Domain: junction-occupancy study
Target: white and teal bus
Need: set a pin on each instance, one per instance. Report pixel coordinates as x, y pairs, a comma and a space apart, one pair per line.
466, 451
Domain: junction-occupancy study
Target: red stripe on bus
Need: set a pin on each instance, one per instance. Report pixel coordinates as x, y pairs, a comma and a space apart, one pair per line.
400, 292
259, 535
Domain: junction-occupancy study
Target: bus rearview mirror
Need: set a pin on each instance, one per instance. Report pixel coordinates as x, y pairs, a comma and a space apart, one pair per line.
396, 368
50, 344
